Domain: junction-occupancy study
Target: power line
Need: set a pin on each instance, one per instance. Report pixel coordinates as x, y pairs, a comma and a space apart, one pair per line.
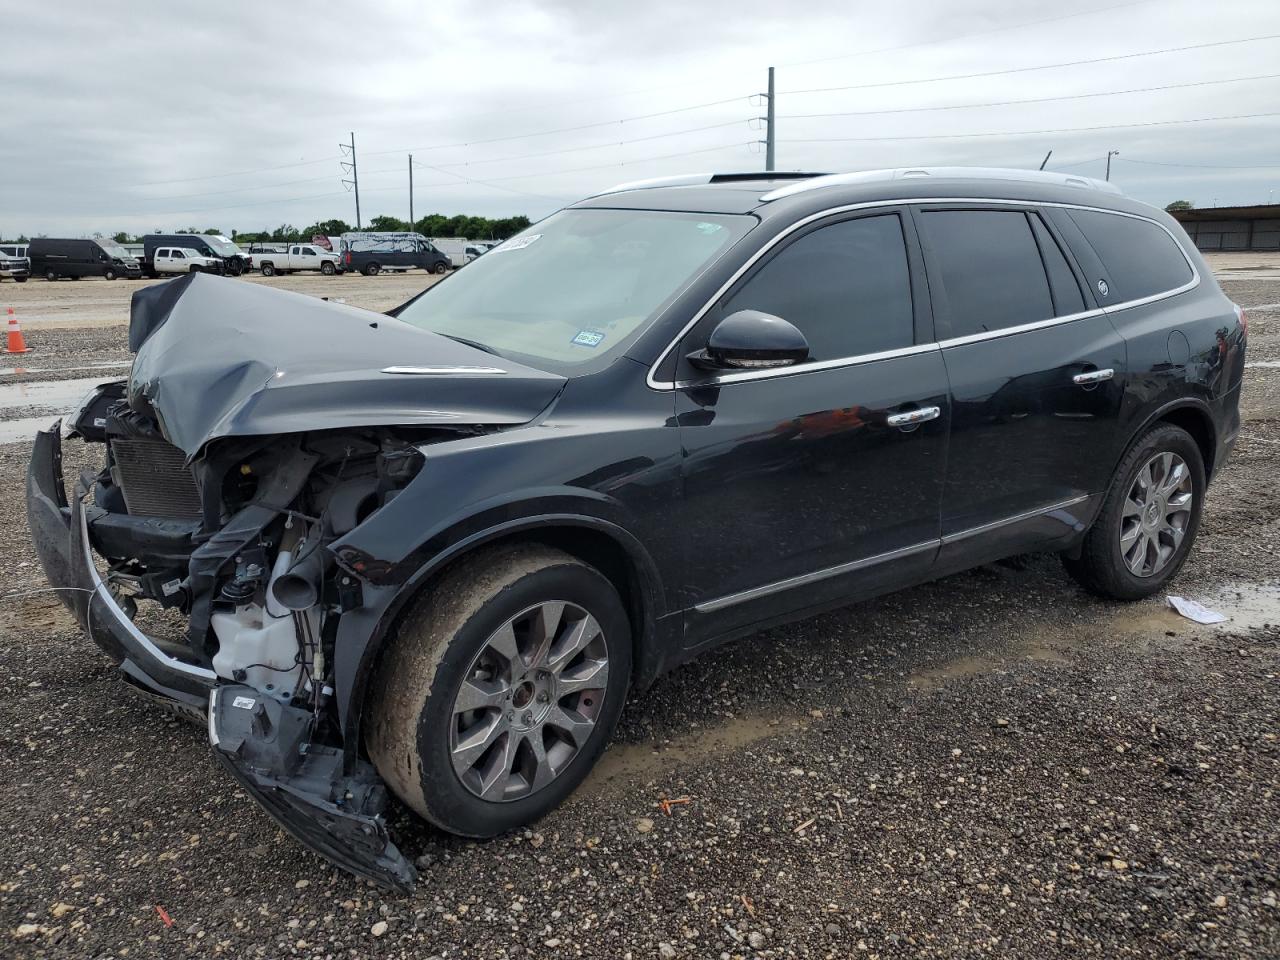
581, 126
1043, 66
242, 173
965, 36
596, 146
1203, 166
1009, 103
1023, 133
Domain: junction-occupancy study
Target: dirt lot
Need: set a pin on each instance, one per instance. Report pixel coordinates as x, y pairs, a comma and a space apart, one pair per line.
991, 765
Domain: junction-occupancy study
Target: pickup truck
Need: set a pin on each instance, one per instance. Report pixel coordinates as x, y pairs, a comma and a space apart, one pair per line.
300, 256
184, 260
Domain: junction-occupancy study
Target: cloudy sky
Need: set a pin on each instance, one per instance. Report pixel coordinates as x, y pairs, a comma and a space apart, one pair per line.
145, 115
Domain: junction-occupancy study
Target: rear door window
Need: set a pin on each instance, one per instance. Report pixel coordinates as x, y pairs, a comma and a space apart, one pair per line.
1139, 255
846, 287
990, 269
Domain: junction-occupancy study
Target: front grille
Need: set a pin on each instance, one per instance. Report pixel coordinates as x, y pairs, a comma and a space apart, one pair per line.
155, 480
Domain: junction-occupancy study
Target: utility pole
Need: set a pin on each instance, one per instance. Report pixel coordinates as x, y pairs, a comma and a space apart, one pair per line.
1110, 154
411, 192
351, 168
771, 127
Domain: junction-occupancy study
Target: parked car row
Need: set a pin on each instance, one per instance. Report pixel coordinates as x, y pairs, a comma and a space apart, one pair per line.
368, 253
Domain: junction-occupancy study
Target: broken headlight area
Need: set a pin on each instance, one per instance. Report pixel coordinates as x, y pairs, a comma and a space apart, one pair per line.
238, 541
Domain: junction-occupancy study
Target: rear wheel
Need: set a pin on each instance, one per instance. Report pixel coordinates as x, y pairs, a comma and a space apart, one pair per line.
51, 274
268, 270
327, 268
501, 689
1148, 520
371, 269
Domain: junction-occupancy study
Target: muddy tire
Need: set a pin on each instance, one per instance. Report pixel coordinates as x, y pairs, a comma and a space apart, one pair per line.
490, 706
1148, 520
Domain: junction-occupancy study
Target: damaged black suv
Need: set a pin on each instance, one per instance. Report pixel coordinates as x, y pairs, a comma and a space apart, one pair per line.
434, 550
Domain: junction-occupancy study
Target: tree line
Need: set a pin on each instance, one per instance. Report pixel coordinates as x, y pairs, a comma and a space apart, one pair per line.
432, 225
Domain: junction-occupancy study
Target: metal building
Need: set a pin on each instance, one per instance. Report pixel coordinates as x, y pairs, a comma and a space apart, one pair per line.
1233, 228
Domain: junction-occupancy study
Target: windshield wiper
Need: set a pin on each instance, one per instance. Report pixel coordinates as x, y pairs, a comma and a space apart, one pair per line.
472, 343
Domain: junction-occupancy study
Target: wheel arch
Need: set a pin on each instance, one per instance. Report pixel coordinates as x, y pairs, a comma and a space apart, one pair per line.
1192, 415
603, 545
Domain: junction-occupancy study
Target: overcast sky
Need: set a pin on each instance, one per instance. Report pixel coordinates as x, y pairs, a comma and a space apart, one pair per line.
144, 115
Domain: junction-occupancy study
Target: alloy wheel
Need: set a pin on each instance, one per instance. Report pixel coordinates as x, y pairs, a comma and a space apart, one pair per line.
1156, 514
529, 701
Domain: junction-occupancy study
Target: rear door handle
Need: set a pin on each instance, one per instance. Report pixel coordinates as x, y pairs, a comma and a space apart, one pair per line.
1093, 376
911, 418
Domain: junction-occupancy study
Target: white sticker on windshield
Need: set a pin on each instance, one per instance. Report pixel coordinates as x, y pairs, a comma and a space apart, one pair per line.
588, 338
516, 243
709, 228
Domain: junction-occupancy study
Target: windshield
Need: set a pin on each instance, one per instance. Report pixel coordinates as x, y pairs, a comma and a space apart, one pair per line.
579, 286
220, 244
114, 249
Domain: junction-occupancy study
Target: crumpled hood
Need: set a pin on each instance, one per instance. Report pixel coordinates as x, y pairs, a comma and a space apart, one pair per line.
219, 357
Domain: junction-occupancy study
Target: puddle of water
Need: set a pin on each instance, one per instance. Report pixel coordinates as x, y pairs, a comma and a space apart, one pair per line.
631, 762
100, 365
22, 431
46, 393
1249, 605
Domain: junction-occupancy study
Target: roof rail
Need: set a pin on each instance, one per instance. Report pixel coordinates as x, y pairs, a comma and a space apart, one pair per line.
690, 179
942, 173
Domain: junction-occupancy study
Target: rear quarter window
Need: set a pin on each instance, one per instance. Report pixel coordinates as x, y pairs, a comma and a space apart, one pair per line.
1140, 256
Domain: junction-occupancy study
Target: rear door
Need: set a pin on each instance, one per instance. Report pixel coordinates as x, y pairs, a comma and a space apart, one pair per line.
806, 486
1037, 375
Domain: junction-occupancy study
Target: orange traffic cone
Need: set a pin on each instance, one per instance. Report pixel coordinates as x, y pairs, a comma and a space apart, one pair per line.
16, 343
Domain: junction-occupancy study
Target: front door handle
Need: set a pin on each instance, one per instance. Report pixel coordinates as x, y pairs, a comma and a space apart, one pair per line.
1093, 376
911, 418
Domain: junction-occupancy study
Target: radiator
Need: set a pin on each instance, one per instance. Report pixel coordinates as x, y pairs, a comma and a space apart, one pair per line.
155, 480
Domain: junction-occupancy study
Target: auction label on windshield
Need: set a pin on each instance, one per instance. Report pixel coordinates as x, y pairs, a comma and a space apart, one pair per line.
516, 243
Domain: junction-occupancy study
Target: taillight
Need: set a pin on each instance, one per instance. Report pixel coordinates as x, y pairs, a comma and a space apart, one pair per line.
348, 260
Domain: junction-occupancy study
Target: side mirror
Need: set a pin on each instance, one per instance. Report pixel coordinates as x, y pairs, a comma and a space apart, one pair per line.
751, 340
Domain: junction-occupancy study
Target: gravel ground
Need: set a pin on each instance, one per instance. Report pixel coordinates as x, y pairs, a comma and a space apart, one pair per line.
991, 765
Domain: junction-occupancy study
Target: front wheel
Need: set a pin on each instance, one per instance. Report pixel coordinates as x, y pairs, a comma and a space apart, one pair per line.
51, 275
1148, 520
441, 268
108, 274
20, 279
501, 689
327, 268
268, 270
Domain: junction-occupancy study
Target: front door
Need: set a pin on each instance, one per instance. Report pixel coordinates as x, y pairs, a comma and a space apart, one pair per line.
1037, 375
807, 486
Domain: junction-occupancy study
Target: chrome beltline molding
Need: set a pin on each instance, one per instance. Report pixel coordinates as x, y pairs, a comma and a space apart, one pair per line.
826, 573
656, 384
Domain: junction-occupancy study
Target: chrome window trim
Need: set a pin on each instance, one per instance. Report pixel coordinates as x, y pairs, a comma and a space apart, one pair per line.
656, 384
816, 576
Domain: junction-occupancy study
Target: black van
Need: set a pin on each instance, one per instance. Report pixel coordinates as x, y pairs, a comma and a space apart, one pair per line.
371, 253
52, 258
234, 262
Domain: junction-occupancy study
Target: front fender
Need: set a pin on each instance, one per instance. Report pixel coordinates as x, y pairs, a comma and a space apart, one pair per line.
362, 631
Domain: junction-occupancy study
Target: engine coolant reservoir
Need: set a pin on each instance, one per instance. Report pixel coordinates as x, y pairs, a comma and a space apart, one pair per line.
259, 650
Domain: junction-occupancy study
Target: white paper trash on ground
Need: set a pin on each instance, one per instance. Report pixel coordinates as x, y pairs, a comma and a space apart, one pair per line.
1196, 611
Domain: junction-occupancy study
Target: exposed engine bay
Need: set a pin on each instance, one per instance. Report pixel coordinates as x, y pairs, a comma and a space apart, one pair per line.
228, 482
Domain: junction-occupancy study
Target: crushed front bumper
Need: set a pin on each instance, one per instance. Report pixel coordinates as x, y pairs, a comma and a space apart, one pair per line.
334, 810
